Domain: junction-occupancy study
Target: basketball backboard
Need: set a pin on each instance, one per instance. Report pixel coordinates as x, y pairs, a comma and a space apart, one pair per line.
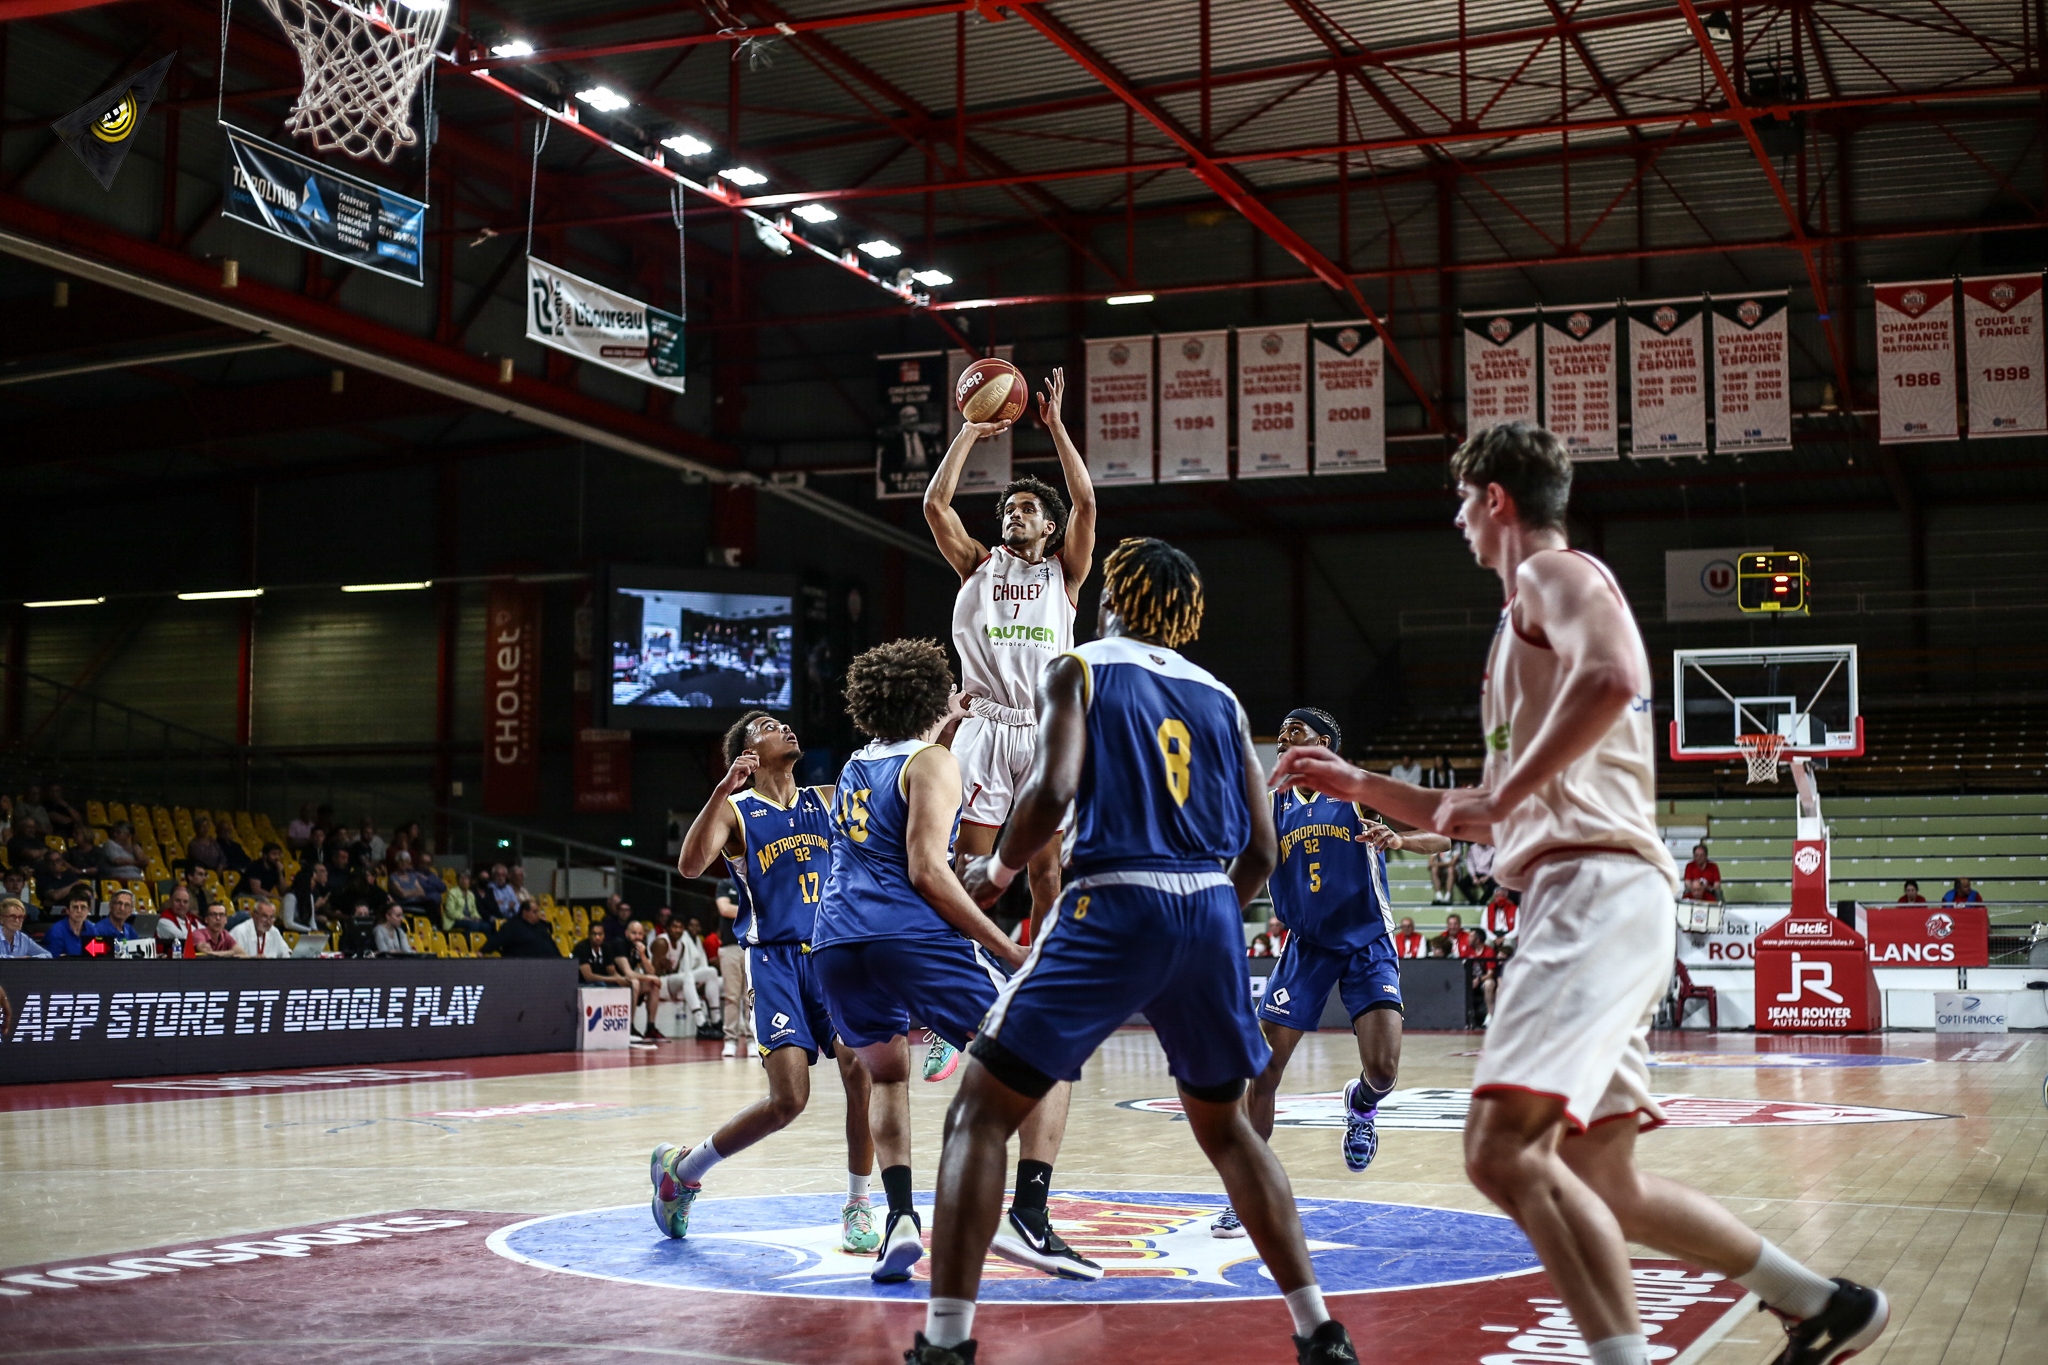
1804, 693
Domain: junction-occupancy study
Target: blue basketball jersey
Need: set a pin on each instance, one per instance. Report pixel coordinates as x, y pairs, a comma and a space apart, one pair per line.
1162, 783
869, 894
1328, 888
788, 853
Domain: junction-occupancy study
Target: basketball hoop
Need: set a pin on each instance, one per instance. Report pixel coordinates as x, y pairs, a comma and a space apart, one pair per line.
361, 68
1762, 753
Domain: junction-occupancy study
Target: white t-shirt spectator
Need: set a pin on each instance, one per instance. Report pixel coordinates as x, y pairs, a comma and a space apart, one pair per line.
1406, 772
270, 943
391, 939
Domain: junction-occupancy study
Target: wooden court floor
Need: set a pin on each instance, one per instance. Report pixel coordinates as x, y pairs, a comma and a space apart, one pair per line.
493, 1209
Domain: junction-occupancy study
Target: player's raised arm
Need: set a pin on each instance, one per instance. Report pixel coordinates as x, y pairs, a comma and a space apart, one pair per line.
961, 550
1249, 870
931, 788
1317, 769
712, 832
1055, 776
1077, 548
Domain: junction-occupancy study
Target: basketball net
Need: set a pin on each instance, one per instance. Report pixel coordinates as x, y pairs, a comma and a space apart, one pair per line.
1763, 753
361, 68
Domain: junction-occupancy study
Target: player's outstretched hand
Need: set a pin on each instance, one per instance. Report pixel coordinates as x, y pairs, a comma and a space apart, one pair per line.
1317, 769
1382, 838
1055, 395
741, 771
1467, 813
983, 430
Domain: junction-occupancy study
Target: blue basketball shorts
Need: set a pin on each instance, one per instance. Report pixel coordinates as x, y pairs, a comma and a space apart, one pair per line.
1302, 979
1167, 944
876, 987
789, 1009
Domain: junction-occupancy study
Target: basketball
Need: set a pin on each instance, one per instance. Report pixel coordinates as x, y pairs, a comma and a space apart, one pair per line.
992, 391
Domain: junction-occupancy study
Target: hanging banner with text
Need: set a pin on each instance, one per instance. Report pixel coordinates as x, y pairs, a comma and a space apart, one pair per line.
570, 314
1500, 368
912, 437
337, 215
1194, 406
1351, 417
1272, 402
1119, 413
1579, 380
988, 464
2002, 340
1667, 377
512, 699
1916, 361
1752, 385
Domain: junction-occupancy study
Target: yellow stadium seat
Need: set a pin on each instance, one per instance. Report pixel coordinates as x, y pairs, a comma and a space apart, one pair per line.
95, 813
117, 812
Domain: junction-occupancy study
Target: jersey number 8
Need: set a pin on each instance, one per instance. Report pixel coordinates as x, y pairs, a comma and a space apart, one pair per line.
1175, 747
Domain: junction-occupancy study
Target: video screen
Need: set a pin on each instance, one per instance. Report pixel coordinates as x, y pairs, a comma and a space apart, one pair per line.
675, 650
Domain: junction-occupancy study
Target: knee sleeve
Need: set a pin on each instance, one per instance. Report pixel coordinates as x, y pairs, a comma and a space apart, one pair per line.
1012, 1070
1229, 1092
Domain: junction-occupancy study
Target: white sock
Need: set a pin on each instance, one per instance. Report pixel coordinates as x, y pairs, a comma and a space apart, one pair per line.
1633, 1350
856, 1186
1786, 1285
697, 1161
948, 1322
1306, 1306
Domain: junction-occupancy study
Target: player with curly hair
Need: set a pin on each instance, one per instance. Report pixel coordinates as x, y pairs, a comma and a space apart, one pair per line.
898, 939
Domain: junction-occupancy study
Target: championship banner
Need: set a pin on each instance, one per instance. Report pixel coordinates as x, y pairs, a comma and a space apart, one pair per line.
512, 699
1349, 399
1500, 368
912, 438
1578, 380
2002, 341
602, 326
1916, 361
302, 201
1119, 410
1272, 402
1668, 377
1752, 385
988, 464
1194, 406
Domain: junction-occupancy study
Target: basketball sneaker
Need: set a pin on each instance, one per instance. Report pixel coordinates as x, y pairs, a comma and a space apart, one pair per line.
941, 1059
924, 1353
857, 1227
1327, 1345
902, 1248
1854, 1318
1026, 1238
1226, 1225
1361, 1137
672, 1198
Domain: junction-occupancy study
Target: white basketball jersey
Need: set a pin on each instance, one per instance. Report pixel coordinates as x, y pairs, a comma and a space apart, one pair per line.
1606, 800
1010, 619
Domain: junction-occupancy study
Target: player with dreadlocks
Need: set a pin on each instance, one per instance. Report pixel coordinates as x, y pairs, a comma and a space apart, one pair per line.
1156, 756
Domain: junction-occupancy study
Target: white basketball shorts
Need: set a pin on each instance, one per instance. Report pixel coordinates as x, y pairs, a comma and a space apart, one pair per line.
1595, 943
994, 759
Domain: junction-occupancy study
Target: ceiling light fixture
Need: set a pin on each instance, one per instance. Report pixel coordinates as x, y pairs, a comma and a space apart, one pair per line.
934, 278
743, 175
67, 602
814, 213
223, 595
682, 144
518, 47
1115, 300
880, 249
603, 98
388, 587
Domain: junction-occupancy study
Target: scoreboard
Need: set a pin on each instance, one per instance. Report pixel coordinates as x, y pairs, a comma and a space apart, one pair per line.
1771, 580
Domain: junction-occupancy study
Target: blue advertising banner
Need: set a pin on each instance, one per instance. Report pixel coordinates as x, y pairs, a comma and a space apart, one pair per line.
337, 215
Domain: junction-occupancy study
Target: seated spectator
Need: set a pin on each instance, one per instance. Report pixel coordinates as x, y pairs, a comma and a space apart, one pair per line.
1442, 775
299, 833
31, 807
1260, 946
1962, 893
212, 938
1270, 941
360, 899
205, 850
686, 974
177, 922
423, 863
60, 815
368, 846
596, 966
67, 938
315, 849
1911, 895
358, 930
459, 907
518, 876
14, 886
1475, 874
120, 920
617, 920
1702, 876
391, 938
524, 935
1498, 918
1407, 770
265, 876
630, 959
259, 936
14, 940
306, 905
120, 858
659, 925
25, 846
1443, 874
340, 865
1456, 938
501, 893
55, 881
1487, 977
1407, 939
1439, 948
412, 889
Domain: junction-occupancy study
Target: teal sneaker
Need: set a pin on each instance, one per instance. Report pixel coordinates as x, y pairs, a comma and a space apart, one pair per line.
672, 1198
941, 1059
857, 1226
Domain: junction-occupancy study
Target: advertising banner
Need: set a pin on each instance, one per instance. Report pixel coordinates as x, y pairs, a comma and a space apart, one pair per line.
1916, 361
1194, 406
988, 464
1752, 384
1927, 935
512, 698
1272, 402
603, 762
1699, 585
1118, 442
912, 438
1667, 357
1812, 976
1349, 399
2002, 345
76, 1020
1579, 380
276, 189
1500, 367
600, 325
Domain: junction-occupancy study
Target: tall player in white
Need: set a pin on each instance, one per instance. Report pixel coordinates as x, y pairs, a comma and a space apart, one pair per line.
1561, 1089
1014, 613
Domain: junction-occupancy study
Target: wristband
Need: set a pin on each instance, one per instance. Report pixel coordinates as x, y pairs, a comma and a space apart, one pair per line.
1000, 873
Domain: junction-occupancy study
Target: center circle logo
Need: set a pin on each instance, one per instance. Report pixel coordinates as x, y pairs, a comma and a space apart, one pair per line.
1153, 1248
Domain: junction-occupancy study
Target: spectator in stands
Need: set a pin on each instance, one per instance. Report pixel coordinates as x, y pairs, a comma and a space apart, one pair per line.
1475, 881
518, 876
391, 938
235, 858
265, 876
1498, 919
60, 815
525, 935
423, 863
14, 940
1408, 940
361, 898
1439, 948
259, 936
340, 864
1911, 894
205, 850
630, 959
119, 858
1407, 770
25, 847
120, 920
177, 922
1260, 946
1962, 893
413, 889
1486, 977
1443, 874
1702, 876
31, 807
732, 971
212, 938
1441, 776
686, 975
1456, 938
369, 845
56, 879
617, 919
502, 893
306, 905
14, 886
197, 881
68, 936
597, 966
459, 908
83, 852
299, 833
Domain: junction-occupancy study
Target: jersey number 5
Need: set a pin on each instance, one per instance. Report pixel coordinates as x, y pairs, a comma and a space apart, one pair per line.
1175, 747
853, 814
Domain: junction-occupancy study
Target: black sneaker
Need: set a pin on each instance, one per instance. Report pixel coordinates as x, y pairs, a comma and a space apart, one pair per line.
1327, 1345
924, 1353
1854, 1318
1027, 1239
